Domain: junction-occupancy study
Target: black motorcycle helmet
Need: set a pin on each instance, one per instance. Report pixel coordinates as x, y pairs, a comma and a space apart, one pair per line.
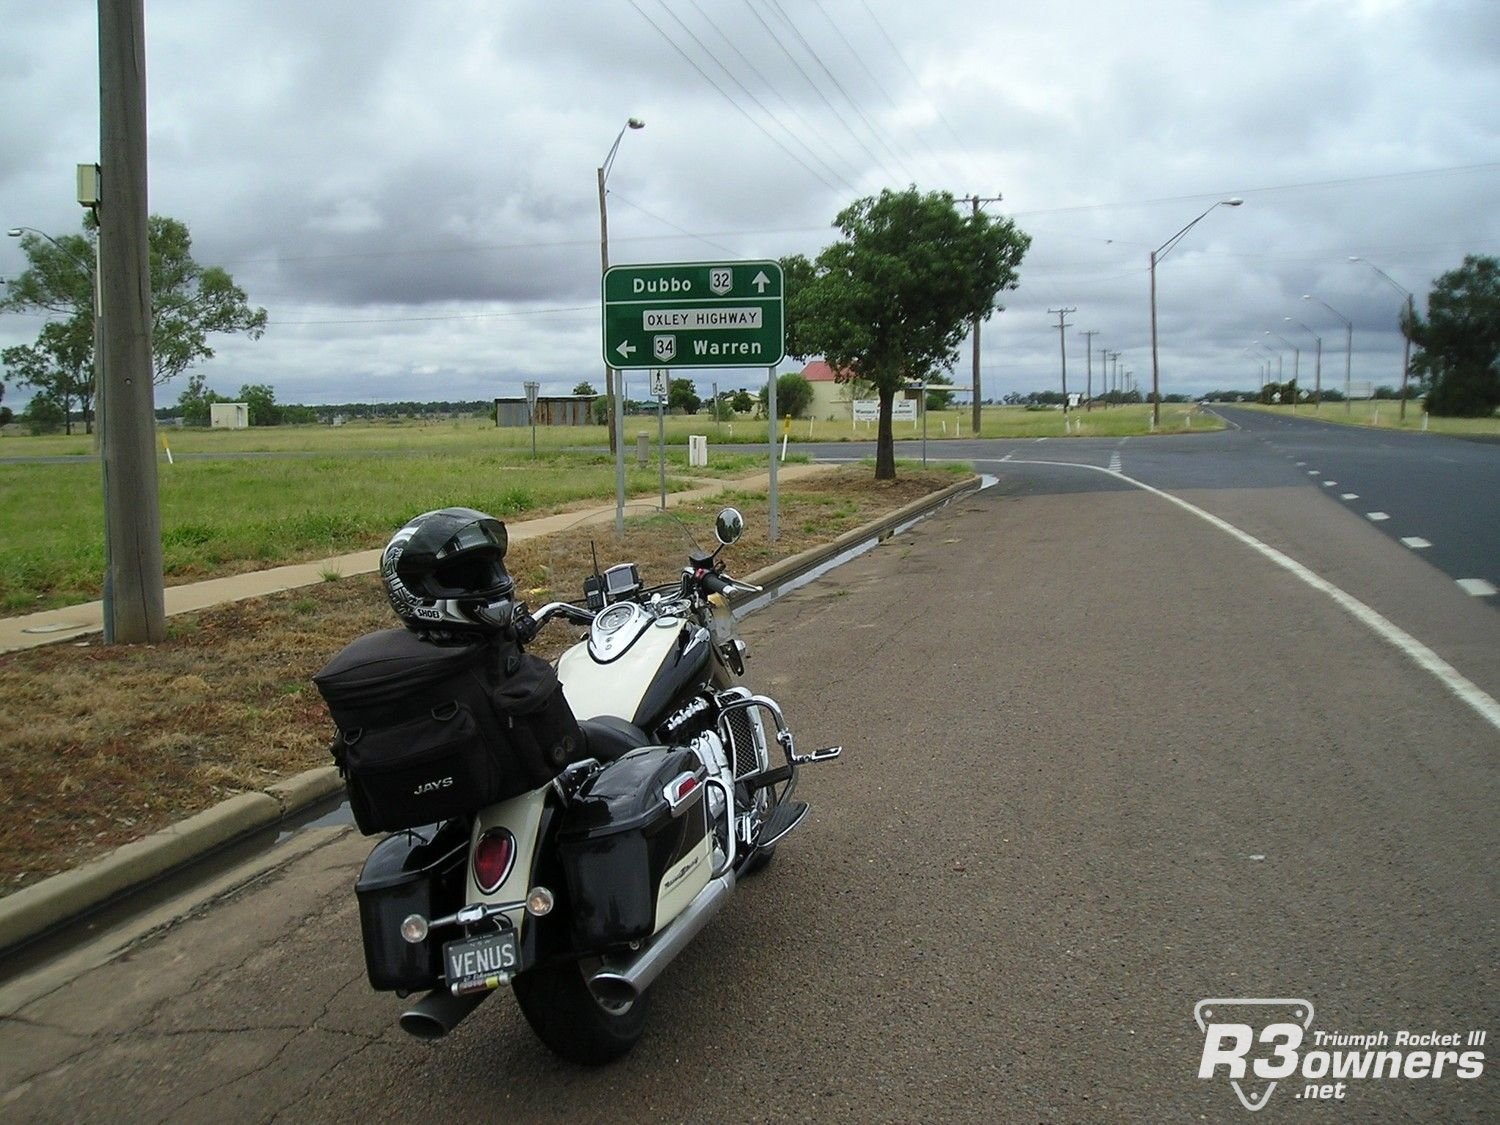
443, 567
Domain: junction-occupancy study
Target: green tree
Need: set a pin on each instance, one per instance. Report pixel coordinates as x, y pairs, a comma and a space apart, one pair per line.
585, 388
741, 402
43, 414
197, 400
794, 394
189, 301
60, 366
892, 300
260, 398
1459, 341
683, 396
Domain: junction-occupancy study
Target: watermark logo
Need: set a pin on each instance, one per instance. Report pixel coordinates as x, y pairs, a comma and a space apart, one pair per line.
1258, 1043
1227, 1041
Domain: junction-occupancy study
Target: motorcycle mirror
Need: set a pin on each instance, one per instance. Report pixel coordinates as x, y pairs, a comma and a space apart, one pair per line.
729, 526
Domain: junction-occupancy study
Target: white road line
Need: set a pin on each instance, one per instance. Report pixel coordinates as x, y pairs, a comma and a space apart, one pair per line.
1476, 586
1415, 542
1114, 462
1345, 496
1482, 703
1310, 472
1376, 516
1326, 483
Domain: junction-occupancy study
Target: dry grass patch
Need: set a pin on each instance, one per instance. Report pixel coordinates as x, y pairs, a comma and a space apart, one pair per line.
100, 746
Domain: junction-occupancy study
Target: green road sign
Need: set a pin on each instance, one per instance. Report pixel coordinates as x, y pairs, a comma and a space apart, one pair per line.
694, 314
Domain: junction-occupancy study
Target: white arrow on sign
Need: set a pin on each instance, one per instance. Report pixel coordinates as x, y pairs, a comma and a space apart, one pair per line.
626, 349
760, 281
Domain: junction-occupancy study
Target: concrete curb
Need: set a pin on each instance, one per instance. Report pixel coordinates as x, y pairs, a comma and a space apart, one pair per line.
34, 910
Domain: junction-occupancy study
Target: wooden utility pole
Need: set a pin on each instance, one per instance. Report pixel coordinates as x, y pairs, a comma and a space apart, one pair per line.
1062, 340
974, 201
1088, 399
132, 520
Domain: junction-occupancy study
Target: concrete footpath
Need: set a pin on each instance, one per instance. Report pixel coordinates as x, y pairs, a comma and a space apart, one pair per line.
34, 910
71, 622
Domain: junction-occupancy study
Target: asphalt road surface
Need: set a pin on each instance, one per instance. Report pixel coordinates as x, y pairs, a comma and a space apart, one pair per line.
1105, 758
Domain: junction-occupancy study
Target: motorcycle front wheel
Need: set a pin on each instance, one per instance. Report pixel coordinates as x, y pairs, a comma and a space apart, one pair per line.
571, 1020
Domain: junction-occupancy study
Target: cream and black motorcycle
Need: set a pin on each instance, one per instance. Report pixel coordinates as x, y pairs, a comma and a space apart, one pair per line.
567, 830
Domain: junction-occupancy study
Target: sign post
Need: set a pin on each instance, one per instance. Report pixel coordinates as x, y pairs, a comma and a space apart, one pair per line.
531, 393
660, 386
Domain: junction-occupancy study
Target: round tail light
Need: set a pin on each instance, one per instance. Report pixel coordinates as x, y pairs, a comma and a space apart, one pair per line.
494, 856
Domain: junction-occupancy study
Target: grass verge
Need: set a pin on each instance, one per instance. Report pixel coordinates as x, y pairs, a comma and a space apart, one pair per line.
100, 746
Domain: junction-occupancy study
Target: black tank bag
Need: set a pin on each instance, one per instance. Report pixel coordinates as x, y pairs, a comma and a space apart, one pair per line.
430, 731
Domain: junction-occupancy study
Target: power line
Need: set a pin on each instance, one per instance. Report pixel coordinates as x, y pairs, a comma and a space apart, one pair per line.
937, 158
751, 95
812, 128
727, 97
839, 86
785, 50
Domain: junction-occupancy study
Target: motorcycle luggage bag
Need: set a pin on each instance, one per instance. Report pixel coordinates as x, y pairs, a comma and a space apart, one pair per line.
409, 873
430, 731
630, 860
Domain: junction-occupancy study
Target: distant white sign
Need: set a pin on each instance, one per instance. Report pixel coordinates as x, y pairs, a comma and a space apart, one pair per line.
659, 382
868, 410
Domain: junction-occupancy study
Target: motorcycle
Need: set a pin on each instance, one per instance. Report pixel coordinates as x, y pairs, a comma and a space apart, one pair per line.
611, 848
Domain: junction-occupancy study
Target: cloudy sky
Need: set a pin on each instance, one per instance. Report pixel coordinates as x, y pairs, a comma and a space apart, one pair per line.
409, 188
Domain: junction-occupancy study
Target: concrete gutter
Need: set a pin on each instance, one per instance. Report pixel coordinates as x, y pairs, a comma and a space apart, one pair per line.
32, 911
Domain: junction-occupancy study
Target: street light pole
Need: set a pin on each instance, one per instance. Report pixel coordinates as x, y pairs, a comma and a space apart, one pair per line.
602, 177
1318, 365
974, 201
1411, 319
1348, 345
1296, 361
1157, 255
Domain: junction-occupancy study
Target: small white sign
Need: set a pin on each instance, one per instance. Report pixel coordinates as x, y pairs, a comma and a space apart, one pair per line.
868, 410
659, 382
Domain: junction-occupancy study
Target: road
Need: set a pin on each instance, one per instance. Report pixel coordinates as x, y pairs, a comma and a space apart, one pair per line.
1105, 758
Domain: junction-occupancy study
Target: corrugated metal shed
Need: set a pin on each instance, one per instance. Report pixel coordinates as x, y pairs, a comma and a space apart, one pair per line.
551, 410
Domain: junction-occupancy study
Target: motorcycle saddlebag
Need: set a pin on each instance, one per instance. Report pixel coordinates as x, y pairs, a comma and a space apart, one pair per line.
420, 872
430, 731
632, 858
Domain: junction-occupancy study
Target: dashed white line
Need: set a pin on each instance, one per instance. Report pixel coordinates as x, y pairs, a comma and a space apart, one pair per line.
1476, 586
1349, 496
1114, 462
1376, 516
1415, 542
1326, 483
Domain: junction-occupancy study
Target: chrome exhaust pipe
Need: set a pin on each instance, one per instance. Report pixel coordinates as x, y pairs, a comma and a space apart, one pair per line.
621, 980
438, 1013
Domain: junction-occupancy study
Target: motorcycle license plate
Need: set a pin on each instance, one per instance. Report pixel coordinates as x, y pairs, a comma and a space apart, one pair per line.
481, 962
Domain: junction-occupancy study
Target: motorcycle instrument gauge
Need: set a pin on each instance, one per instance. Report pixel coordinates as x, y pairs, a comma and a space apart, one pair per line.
615, 629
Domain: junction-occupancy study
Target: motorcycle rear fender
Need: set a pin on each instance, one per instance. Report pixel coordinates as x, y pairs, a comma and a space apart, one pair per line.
523, 817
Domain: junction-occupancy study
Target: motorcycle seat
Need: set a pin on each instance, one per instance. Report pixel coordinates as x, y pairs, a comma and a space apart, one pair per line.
608, 737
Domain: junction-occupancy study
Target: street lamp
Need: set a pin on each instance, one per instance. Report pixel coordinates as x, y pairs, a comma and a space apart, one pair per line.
1318, 365
1296, 360
1156, 255
1270, 351
603, 175
1348, 344
1411, 319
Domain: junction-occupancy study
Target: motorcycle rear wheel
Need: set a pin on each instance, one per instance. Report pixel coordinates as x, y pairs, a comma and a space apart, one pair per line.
571, 1021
